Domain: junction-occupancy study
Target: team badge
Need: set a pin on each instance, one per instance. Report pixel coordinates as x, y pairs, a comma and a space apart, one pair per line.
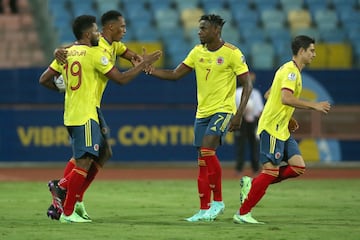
104, 60
277, 155
96, 147
220, 60
292, 76
243, 60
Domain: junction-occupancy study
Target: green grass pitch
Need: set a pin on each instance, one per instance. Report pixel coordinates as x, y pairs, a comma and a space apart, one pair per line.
294, 209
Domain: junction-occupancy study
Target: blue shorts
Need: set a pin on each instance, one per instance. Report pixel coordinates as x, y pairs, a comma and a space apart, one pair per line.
275, 151
86, 139
216, 124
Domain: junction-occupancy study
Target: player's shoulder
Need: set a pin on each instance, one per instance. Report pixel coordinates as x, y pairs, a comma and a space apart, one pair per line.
230, 46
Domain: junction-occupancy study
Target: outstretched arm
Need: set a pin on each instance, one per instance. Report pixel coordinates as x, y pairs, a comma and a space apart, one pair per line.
288, 98
139, 66
172, 75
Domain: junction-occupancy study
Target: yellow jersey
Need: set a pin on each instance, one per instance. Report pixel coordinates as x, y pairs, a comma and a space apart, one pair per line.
216, 73
111, 51
276, 116
84, 64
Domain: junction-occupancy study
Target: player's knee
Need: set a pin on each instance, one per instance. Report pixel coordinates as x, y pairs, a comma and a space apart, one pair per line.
299, 170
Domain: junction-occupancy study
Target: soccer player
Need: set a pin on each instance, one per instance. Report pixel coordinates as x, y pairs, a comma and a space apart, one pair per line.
113, 30
276, 144
218, 65
81, 116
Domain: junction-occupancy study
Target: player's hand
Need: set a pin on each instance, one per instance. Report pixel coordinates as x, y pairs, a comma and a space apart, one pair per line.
235, 123
293, 125
136, 61
151, 58
149, 69
323, 107
61, 55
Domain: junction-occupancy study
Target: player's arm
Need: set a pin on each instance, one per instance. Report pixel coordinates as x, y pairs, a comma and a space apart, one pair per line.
125, 77
131, 55
287, 98
60, 54
246, 83
172, 75
47, 79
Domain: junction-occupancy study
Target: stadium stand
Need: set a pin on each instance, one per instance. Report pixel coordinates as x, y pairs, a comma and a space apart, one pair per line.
248, 22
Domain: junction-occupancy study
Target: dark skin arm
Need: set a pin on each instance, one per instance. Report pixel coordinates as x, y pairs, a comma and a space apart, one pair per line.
246, 83
47, 79
172, 75
139, 66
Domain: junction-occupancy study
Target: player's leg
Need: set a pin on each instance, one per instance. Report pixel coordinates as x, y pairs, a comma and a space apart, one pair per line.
105, 153
87, 140
295, 163
271, 154
204, 191
214, 136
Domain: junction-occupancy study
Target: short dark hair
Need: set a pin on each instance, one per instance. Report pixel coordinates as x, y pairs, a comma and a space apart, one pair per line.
111, 15
301, 41
81, 24
215, 20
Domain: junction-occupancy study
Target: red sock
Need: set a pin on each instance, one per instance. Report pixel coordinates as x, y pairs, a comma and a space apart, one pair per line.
203, 184
76, 180
289, 171
94, 169
63, 183
257, 191
214, 172
69, 166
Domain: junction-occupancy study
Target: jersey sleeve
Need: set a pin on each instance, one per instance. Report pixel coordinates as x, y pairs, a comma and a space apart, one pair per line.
55, 66
120, 48
190, 58
289, 79
102, 62
238, 62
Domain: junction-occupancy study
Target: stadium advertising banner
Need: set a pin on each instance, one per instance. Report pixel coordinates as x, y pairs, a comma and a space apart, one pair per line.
150, 119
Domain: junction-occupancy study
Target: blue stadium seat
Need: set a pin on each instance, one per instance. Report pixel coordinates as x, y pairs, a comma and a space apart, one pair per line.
245, 18
167, 19
253, 35
331, 36
315, 5
326, 19
262, 55
278, 35
181, 4
288, 5
262, 5
156, 5
103, 6
273, 19
210, 5
230, 35
311, 32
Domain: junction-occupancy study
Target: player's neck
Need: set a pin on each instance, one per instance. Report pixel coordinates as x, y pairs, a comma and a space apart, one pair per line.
215, 45
107, 38
299, 64
84, 42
